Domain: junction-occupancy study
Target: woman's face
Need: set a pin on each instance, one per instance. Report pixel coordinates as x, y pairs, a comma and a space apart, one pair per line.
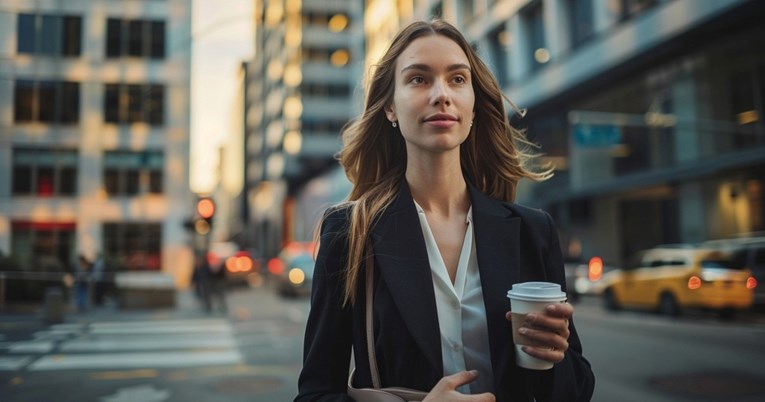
433, 98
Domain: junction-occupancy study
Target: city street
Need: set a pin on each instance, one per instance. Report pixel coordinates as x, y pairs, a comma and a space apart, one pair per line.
253, 353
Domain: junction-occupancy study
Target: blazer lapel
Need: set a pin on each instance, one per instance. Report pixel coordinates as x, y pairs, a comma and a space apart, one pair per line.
402, 258
498, 248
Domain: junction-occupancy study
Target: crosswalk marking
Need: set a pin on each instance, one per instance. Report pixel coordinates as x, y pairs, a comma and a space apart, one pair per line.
158, 343
13, 363
125, 345
136, 360
30, 347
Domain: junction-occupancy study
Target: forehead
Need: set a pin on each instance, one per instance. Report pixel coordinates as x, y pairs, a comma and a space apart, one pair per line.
433, 50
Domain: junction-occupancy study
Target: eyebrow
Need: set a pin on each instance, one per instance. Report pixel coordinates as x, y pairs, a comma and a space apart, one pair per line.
425, 67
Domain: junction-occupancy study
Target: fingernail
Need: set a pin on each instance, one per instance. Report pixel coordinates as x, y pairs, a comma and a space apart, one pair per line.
550, 308
531, 317
522, 330
473, 373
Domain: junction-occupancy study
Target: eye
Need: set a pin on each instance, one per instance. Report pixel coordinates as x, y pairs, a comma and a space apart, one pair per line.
417, 80
459, 79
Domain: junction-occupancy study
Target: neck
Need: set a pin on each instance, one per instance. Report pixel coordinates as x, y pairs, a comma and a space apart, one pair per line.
437, 184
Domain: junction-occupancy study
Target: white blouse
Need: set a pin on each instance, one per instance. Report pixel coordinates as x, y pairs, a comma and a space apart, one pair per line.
461, 312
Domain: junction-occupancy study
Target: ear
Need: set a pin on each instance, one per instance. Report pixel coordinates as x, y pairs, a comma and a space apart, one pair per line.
390, 113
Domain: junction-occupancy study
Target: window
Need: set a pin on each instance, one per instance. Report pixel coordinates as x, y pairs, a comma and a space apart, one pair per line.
44, 172
338, 57
334, 22
535, 28
437, 11
744, 97
134, 103
134, 246
323, 125
46, 101
43, 245
499, 42
51, 35
135, 38
332, 90
581, 21
466, 10
629, 8
132, 173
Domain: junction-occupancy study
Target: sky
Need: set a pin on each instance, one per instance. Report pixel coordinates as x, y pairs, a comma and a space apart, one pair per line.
223, 37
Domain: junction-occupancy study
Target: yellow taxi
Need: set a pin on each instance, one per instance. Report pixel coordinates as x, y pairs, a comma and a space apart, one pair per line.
669, 279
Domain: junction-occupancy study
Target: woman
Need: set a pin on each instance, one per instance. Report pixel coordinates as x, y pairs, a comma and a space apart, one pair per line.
434, 167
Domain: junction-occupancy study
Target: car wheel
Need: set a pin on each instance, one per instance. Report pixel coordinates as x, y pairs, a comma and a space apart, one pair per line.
726, 314
668, 305
609, 300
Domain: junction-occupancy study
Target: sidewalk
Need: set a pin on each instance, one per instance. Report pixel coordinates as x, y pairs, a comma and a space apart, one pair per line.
186, 307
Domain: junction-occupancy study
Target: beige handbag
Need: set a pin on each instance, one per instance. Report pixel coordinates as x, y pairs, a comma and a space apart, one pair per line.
377, 394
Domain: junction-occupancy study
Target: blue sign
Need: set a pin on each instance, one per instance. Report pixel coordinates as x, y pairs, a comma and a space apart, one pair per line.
596, 135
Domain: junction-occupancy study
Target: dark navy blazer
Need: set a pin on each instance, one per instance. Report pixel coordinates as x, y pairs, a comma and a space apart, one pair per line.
513, 244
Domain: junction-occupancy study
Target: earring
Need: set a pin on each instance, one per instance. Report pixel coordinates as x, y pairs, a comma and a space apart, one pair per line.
471, 124
394, 124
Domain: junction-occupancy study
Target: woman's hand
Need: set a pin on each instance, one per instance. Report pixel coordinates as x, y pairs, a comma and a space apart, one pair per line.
548, 330
446, 389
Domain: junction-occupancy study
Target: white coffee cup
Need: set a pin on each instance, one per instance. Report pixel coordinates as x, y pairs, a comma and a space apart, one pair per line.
531, 297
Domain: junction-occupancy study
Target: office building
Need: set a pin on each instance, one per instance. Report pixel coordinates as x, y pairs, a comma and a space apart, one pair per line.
300, 90
650, 111
94, 134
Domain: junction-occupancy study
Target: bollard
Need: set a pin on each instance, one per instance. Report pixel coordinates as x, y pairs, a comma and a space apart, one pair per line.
53, 310
2, 292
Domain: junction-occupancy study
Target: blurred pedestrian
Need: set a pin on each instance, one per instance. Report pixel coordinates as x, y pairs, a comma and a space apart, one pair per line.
99, 280
82, 282
209, 283
434, 165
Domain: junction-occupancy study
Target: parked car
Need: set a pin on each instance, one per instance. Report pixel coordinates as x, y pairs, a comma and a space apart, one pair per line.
749, 252
293, 269
241, 268
585, 278
671, 278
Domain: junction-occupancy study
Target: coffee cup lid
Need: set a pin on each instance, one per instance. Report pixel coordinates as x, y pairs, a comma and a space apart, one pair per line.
536, 291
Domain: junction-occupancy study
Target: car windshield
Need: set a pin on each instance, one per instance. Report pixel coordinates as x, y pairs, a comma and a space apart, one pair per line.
304, 262
721, 263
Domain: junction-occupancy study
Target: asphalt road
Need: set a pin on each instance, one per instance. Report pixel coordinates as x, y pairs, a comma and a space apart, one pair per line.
641, 356
253, 353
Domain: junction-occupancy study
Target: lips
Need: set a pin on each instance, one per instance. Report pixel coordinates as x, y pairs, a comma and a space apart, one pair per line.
441, 117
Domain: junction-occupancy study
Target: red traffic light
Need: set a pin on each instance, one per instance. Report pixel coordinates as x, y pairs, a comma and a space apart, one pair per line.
206, 208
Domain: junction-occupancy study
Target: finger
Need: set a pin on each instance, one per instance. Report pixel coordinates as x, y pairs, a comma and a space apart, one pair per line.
485, 397
545, 353
544, 338
560, 310
459, 379
549, 323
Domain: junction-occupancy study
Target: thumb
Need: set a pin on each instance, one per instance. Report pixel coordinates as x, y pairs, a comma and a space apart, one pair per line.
461, 378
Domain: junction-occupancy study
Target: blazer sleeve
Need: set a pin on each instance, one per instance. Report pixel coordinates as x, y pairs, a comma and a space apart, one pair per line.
572, 379
328, 336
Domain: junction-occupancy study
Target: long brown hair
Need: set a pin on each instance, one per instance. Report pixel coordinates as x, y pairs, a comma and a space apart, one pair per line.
493, 157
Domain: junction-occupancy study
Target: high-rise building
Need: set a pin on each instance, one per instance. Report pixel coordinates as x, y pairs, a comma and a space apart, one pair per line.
94, 134
651, 111
301, 89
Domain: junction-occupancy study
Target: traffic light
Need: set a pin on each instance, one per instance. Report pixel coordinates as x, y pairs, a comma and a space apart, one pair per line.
206, 209
206, 213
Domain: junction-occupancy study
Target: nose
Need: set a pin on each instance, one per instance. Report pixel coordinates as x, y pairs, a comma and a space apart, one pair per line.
440, 94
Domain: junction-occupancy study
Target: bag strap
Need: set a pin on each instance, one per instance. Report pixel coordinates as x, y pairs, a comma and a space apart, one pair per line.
369, 324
